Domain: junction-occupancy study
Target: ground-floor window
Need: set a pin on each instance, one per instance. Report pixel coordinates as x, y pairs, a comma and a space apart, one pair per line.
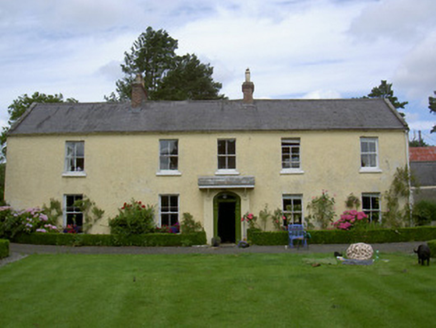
293, 209
72, 214
169, 210
371, 207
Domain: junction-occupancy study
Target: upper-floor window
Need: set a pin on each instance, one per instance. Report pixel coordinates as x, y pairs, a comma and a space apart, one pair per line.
74, 156
168, 155
369, 153
227, 154
293, 208
371, 207
291, 154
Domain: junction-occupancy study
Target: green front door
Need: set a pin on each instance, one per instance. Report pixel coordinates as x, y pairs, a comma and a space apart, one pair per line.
227, 217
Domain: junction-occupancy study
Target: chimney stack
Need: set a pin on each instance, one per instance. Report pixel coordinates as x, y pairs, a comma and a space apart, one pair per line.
248, 88
139, 94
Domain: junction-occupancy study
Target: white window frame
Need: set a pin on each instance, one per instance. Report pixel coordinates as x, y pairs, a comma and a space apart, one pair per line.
292, 212
74, 211
372, 168
370, 211
226, 170
291, 144
168, 170
71, 167
170, 211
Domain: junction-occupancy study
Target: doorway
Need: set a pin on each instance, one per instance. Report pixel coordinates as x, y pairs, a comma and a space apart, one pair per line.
227, 212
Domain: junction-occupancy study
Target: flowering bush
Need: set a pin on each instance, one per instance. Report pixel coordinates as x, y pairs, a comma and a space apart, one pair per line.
133, 219
26, 221
175, 228
351, 220
72, 228
250, 219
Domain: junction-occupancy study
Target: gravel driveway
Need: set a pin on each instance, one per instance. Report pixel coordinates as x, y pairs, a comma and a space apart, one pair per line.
19, 251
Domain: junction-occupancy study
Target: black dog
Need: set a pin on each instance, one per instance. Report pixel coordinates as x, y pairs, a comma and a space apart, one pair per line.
423, 254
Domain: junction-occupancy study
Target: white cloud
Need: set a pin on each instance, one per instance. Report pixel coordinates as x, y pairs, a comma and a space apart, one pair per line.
400, 20
417, 72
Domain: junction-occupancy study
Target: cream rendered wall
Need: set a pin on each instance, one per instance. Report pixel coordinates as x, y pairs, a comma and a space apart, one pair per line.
125, 166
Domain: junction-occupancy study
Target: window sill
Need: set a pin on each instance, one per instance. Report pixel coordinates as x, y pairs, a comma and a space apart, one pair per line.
226, 172
370, 170
74, 174
170, 173
291, 171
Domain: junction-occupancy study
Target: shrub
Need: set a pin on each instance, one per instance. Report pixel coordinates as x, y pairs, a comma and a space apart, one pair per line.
151, 239
264, 215
424, 212
189, 225
351, 220
31, 220
90, 211
250, 219
347, 236
432, 245
396, 217
4, 248
278, 220
133, 219
322, 209
352, 202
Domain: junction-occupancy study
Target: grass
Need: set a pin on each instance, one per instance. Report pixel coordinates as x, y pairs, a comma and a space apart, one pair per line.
245, 290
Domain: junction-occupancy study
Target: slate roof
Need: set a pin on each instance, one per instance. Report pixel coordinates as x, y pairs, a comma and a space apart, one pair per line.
422, 154
208, 116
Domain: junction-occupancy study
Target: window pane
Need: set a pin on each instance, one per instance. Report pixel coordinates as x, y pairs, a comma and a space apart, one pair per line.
165, 219
80, 164
231, 147
80, 149
364, 146
164, 202
164, 147
173, 163
371, 146
222, 147
222, 163
231, 163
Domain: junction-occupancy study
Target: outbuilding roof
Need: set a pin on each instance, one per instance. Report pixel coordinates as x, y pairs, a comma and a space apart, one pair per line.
209, 116
423, 154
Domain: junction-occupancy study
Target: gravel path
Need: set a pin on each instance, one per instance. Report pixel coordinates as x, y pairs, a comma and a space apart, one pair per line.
19, 251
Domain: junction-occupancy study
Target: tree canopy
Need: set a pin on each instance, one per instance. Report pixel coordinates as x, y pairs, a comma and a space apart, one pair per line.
21, 104
166, 75
432, 107
385, 91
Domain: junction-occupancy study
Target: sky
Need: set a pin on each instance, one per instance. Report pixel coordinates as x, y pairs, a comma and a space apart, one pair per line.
295, 49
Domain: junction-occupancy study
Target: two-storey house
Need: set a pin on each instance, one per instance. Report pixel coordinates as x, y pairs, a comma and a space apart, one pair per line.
214, 159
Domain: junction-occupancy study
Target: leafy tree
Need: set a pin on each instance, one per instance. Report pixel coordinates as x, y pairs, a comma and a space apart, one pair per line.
166, 75
190, 79
384, 90
20, 105
432, 106
418, 143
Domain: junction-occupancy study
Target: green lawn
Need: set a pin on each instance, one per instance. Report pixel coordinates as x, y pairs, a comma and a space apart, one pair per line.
246, 290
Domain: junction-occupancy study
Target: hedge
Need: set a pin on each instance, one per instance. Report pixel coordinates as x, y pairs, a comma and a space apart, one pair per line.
432, 245
4, 248
347, 237
152, 239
